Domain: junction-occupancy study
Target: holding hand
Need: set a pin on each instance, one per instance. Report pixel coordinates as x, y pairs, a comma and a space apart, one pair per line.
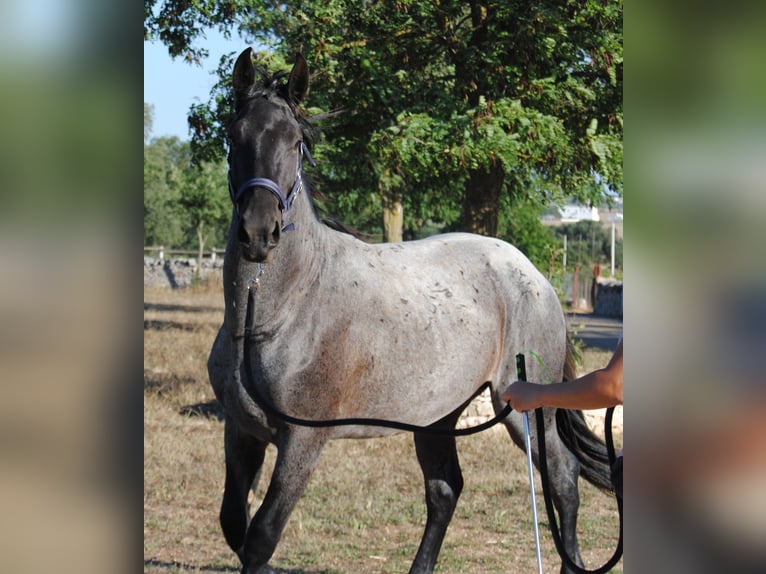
523, 396
598, 389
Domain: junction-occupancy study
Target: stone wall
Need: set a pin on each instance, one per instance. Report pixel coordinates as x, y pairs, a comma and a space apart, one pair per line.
181, 272
608, 298
478, 411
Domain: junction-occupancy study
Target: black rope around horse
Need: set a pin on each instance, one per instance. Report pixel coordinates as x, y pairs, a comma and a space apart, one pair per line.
268, 407
553, 522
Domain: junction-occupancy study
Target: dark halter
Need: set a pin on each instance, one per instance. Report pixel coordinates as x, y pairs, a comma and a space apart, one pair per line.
285, 200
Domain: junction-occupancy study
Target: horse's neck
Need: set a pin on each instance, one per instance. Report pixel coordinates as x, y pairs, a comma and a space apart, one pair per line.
296, 262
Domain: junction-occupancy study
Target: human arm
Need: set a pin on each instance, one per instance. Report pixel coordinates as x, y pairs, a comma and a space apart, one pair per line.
597, 389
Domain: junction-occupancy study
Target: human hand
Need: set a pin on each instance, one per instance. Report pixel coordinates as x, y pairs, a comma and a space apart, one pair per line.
522, 396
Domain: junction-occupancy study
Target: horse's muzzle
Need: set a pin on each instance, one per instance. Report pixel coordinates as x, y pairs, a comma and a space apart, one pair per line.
258, 244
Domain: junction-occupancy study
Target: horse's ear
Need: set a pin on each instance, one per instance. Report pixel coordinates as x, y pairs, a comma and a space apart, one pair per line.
244, 74
298, 85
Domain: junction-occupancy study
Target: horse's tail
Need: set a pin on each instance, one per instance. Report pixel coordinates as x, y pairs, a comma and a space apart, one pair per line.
589, 449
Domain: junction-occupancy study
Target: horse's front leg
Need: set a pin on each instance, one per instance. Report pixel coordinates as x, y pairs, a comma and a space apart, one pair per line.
298, 452
438, 460
244, 459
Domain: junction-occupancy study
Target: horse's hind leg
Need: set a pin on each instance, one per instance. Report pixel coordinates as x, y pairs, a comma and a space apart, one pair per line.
563, 473
438, 459
244, 458
298, 452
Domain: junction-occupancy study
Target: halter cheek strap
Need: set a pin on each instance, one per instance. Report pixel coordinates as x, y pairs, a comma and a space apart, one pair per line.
285, 200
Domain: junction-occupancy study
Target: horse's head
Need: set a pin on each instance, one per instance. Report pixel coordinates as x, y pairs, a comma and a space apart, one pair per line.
265, 152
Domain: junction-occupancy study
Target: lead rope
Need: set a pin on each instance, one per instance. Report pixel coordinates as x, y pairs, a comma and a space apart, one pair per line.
268, 407
554, 527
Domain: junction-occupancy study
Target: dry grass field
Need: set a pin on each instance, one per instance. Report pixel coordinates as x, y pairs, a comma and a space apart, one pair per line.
363, 511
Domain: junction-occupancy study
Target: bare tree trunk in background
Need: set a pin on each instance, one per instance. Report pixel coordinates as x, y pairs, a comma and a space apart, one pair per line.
481, 201
393, 217
201, 245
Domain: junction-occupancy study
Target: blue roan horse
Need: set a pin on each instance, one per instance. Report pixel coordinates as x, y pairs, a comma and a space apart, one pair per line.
342, 328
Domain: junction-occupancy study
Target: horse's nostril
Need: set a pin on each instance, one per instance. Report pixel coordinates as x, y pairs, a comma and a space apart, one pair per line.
242, 234
276, 233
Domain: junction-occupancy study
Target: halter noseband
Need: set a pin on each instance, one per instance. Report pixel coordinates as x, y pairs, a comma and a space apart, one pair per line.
285, 200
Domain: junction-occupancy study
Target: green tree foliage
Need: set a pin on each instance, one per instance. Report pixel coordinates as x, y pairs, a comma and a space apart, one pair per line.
205, 201
520, 225
178, 24
457, 109
165, 160
186, 206
589, 243
148, 121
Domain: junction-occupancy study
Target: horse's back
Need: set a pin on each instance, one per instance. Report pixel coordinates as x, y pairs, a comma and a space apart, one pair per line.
450, 311
487, 266
533, 320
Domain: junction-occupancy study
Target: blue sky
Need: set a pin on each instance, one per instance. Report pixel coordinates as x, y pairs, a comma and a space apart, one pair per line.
171, 86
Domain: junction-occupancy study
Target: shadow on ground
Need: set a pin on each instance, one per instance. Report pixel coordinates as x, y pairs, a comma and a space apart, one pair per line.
175, 566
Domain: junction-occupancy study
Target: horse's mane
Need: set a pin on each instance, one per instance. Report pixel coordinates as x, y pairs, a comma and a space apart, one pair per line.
333, 223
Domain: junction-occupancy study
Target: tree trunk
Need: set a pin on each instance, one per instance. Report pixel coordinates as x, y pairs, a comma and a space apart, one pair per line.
201, 244
393, 217
481, 201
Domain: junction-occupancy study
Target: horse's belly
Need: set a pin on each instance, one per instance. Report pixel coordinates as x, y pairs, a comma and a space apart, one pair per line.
422, 374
